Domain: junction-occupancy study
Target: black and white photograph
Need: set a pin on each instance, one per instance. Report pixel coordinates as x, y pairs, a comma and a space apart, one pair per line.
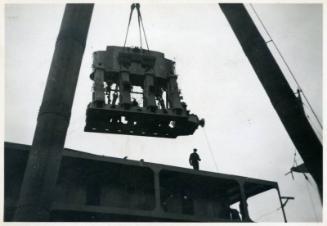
163, 111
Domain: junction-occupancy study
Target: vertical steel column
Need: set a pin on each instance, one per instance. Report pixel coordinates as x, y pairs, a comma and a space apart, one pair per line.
98, 87
148, 92
277, 88
53, 119
243, 205
173, 94
124, 89
157, 191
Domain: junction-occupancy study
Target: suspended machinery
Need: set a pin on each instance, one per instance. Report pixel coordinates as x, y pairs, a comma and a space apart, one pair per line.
135, 92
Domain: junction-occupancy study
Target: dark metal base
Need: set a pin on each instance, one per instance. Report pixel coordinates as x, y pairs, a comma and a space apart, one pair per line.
139, 121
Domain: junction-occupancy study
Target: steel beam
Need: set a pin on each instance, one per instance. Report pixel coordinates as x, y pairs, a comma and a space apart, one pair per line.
54, 116
277, 88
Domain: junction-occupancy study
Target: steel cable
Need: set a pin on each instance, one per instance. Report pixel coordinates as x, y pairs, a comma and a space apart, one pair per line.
286, 64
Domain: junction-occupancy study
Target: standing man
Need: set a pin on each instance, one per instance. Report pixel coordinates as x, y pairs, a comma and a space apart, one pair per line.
194, 159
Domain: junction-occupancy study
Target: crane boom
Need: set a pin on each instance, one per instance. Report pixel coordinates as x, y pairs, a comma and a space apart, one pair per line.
277, 88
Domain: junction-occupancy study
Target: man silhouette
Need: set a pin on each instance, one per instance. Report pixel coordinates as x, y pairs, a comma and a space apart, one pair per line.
194, 159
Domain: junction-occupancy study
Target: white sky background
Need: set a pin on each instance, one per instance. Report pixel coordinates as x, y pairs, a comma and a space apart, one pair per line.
218, 83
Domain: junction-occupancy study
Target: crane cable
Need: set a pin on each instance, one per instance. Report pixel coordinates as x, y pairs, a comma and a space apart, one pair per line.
129, 22
210, 150
286, 64
312, 123
307, 187
141, 20
295, 164
140, 24
306, 99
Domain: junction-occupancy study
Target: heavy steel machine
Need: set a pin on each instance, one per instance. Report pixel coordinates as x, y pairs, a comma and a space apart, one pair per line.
135, 92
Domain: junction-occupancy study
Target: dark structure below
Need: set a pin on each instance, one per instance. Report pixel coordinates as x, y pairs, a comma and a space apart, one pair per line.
97, 188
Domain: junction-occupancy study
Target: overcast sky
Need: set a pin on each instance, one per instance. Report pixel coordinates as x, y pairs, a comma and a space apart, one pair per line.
243, 131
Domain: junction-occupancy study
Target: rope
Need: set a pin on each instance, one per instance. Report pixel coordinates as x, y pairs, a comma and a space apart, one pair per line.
139, 23
307, 187
129, 22
209, 147
286, 64
313, 125
311, 201
141, 20
315, 128
295, 165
